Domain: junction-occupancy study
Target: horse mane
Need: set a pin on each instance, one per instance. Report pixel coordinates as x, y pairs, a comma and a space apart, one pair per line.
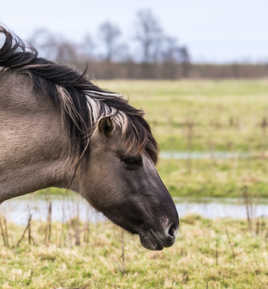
82, 103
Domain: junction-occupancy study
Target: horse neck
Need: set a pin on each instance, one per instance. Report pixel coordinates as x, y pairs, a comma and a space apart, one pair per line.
32, 140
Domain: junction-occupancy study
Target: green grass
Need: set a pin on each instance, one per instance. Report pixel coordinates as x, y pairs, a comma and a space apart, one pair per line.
207, 254
215, 178
226, 114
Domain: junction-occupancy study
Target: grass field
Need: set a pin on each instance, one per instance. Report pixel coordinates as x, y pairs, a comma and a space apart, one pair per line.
202, 115
216, 178
207, 254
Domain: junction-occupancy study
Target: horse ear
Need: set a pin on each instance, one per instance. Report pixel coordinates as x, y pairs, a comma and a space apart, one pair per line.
106, 126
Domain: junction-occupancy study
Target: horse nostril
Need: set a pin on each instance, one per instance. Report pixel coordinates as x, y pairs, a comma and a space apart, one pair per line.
172, 230
170, 235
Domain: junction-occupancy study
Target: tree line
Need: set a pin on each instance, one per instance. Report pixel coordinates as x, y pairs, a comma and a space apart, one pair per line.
151, 54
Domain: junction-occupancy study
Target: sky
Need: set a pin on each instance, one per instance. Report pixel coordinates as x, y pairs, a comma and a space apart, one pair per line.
213, 30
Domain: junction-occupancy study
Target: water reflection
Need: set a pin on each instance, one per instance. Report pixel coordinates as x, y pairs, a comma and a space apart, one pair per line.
63, 209
182, 155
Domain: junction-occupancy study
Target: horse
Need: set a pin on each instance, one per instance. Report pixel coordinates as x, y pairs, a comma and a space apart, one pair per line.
57, 128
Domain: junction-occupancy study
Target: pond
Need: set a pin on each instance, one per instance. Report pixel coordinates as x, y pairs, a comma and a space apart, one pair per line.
183, 155
63, 209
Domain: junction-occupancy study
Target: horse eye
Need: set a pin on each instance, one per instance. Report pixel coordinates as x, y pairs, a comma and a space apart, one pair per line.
132, 162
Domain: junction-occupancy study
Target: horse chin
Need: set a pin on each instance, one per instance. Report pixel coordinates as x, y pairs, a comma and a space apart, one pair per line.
149, 241
148, 238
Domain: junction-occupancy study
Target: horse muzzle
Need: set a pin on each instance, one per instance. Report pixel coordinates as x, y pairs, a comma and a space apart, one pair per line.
153, 240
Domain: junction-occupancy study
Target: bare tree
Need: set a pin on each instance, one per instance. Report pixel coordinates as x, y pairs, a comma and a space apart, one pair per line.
45, 42
110, 35
88, 47
108, 57
149, 34
175, 59
66, 52
170, 50
185, 61
53, 46
169, 56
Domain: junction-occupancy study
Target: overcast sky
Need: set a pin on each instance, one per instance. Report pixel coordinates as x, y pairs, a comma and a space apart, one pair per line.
214, 30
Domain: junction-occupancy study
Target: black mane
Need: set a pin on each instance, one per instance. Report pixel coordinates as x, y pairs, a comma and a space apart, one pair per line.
48, 76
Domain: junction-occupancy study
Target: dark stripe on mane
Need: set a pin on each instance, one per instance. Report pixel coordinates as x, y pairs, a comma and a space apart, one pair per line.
47, 77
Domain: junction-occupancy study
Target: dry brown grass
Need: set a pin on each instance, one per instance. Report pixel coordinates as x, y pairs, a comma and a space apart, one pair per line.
207, 254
